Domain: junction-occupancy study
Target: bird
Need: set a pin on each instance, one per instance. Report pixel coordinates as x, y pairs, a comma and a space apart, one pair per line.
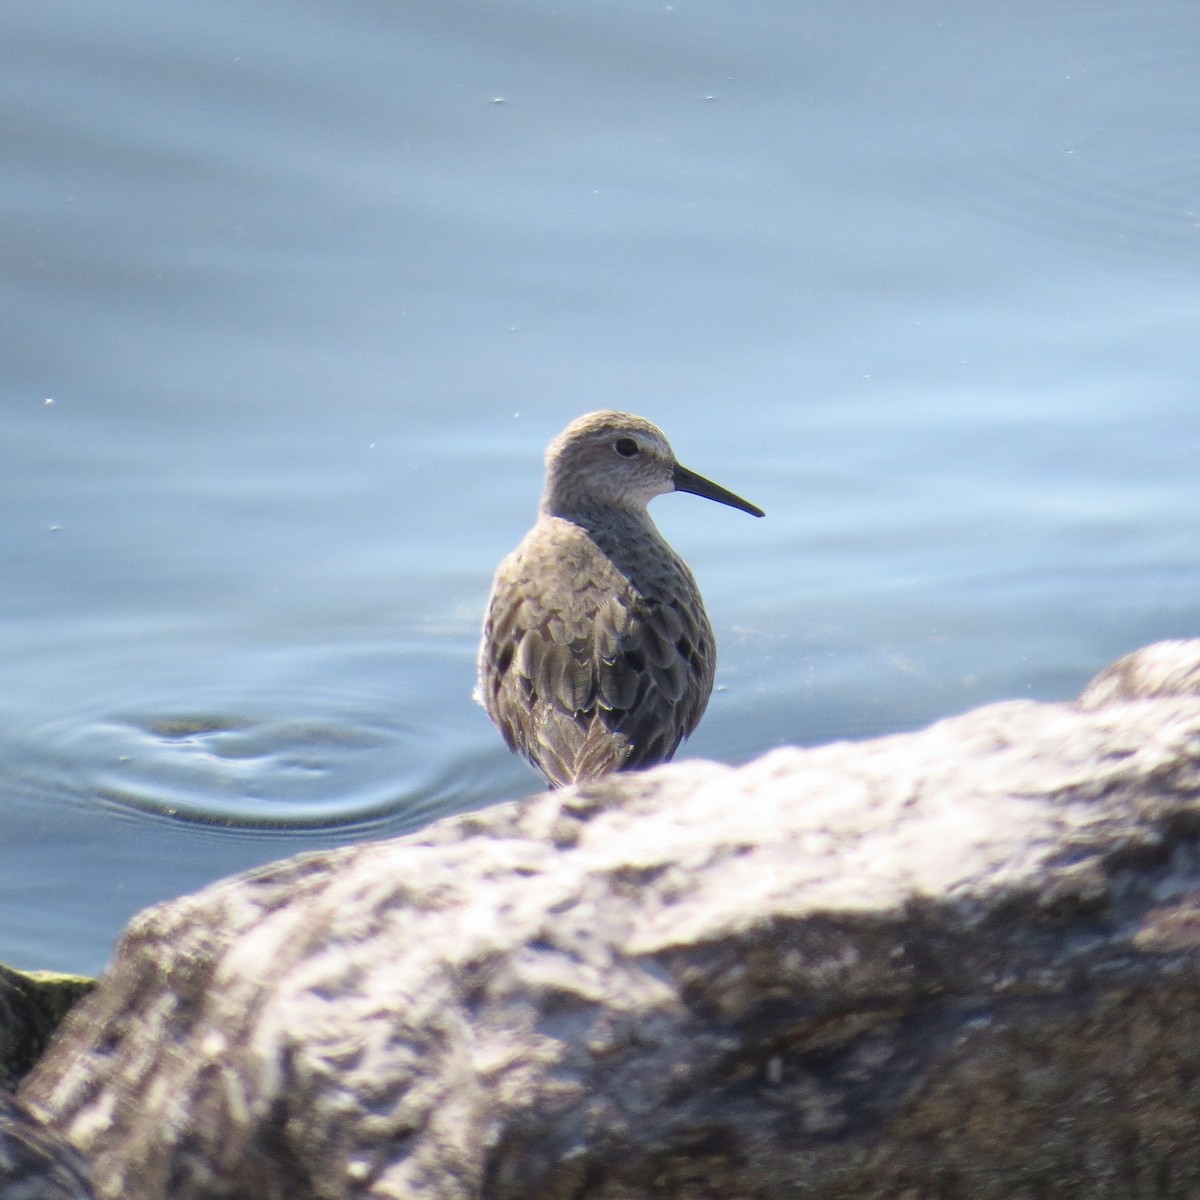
597, 654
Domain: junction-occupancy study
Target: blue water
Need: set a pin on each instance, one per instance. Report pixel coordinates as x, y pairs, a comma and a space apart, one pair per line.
293, 296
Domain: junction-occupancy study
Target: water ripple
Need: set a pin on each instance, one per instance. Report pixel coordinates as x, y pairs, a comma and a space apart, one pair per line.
354, 746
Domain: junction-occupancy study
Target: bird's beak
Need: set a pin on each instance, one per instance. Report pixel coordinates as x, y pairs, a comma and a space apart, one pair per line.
689, 481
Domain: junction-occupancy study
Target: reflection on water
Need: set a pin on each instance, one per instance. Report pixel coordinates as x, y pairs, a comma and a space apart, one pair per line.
296, 295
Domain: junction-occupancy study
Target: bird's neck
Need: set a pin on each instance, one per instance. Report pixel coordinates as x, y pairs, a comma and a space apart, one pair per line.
592, 515
582, 509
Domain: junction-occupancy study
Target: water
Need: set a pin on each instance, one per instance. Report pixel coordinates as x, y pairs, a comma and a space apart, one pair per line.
294, 295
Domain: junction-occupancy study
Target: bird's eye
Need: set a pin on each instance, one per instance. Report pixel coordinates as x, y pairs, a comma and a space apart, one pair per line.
626, 447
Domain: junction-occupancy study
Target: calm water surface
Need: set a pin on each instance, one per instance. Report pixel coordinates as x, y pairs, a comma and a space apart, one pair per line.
293, 295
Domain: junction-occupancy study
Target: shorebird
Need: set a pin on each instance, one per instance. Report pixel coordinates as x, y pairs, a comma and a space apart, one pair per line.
597, 654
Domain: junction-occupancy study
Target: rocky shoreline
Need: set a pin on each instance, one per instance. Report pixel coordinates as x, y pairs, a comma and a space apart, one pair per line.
962, 962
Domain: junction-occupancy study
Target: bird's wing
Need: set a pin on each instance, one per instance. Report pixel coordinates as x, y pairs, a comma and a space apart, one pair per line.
654, 689
537, 661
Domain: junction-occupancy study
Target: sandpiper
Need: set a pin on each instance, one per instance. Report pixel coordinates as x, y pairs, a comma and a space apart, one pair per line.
597, 654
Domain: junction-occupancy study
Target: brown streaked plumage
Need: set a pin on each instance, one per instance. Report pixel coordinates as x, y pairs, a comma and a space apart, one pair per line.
597, 654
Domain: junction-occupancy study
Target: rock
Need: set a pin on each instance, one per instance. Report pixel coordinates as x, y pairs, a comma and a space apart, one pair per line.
1163, 669
32, 1003
963, 962
35, 1163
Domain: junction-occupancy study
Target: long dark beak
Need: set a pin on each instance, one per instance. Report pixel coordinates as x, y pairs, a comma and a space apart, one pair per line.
689, 481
